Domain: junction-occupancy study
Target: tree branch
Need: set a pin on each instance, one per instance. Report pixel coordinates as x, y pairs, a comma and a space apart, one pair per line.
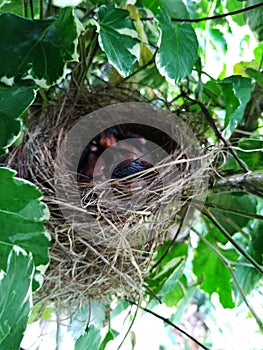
166, 320
251, 182
197, 20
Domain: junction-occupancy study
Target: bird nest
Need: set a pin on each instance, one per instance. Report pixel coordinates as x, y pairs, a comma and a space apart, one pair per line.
115, 179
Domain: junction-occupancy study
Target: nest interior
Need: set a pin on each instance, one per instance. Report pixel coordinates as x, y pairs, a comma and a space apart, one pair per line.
110, 251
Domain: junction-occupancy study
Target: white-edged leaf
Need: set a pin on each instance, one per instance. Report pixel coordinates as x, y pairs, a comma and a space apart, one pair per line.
14, 101
15, 296
22, 218
37, 49
178, 47
118, 38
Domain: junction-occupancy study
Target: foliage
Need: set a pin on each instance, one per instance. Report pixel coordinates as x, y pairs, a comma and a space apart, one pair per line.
161, 48
16, 295
24, 251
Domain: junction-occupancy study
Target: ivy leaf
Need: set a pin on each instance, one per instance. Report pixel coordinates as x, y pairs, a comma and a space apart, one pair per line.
10, 112
15, 297
118, 38
22, 217
236, 91
90, 340
215, 277
37, 49
178, 47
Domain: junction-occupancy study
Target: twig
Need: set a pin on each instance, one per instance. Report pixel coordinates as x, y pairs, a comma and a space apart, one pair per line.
131, 324
197, 20
208, 214
228, 266
171, 243
166, 320
25, 9
31, 8
233, 211
218, 134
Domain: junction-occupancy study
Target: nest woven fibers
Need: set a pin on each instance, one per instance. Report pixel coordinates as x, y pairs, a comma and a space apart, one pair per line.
115, 179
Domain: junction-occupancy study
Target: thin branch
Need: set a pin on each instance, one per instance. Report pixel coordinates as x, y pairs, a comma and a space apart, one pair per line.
41, 9
197, 20
131, 324
228, 266
233, 211
218, 134
253, 312
25, 8
170, 244
208, 214
151, 61
31, 8
166, 320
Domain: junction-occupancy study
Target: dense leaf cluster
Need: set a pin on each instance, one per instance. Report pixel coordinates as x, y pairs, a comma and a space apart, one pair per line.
160, 49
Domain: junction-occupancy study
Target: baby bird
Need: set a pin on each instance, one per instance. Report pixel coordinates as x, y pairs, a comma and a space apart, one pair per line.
126, 155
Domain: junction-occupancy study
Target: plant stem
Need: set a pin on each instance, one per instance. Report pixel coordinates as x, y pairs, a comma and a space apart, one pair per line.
166, 320
228, 266
232, 241
25, 8
41, 9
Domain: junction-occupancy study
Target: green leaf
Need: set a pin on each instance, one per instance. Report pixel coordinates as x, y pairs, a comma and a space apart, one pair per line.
254, 18
178, 291
164, 278
237, 92
258, 53
256, 246
111, 334
22, 218
217, 37
233, 6
17, 7
257, 75
240, 201
178, 47
37, 49
118, 38
14, 101
175, 8
15, 296
213, 274
248, 276
250, 151
121, 306
90, 340
183, 304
